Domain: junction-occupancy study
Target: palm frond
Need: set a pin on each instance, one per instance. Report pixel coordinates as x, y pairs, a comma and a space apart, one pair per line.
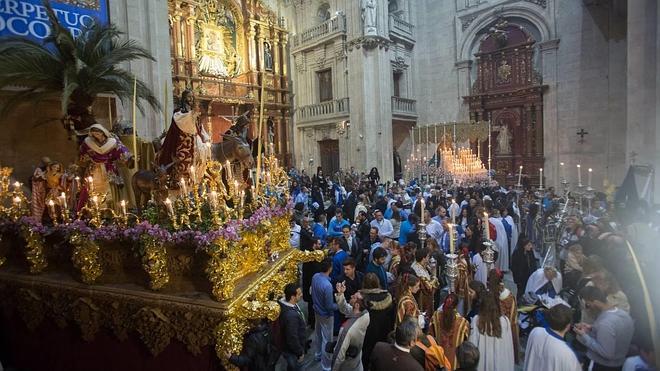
60, 36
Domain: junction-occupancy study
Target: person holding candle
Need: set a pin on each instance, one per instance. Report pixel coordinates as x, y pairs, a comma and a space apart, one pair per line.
101, 153
428, 282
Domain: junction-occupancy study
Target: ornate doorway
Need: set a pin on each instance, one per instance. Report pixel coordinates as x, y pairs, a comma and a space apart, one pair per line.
509, 93
329, 150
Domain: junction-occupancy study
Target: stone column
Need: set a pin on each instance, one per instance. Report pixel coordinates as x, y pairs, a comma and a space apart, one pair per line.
550, 110
146, 21
642, 84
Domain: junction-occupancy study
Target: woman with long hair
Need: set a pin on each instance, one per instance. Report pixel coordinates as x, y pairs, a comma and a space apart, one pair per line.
523, 263
409, 286
491, 333
449, 328
508, 306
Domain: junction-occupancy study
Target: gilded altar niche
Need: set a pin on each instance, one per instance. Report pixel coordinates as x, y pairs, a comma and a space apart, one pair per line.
225, 51
508, 92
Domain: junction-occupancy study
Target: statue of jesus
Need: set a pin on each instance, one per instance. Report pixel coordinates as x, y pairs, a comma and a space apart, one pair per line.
504, 140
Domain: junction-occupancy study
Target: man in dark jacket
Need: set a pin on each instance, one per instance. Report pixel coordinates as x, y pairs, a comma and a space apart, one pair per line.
396, 357
259, 353
350, 204
292, 325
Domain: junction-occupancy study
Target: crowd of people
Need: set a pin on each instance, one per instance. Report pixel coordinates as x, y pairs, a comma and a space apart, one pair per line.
381, 299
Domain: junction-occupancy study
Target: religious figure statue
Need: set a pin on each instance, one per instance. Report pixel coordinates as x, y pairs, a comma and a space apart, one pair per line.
101, 153
396, 158
268, 57
369, 17
186, 143
504, 140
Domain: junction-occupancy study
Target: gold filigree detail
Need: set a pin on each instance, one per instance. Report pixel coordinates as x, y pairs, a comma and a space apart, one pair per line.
30, 307
85, 257
154, 328
87, 316
34, 250
154, 262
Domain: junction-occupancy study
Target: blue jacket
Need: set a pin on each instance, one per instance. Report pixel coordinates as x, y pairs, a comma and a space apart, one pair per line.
334, 228
338, 264
379, 271
322, 295
319, 232
404, 231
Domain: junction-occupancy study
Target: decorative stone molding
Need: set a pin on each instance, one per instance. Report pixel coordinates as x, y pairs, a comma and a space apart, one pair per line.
467, 21
399, 64
548, 45
369, 42
541, 3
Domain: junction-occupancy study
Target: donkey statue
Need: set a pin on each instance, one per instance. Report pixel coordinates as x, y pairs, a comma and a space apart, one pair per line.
150, 182
233, 149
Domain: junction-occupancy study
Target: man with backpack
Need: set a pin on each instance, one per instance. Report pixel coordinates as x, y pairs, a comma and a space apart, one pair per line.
292, 327
259, 352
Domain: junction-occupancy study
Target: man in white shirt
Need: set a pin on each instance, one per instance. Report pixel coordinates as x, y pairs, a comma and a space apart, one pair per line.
384, 226
546, 348
433, 228
294, 240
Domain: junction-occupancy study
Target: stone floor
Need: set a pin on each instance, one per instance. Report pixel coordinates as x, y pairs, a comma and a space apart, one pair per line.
311, 365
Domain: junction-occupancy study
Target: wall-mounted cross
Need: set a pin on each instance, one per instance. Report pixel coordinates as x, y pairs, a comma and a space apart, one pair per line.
582, 133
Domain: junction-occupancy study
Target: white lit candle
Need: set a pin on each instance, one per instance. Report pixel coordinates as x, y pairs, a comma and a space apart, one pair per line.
51, 207
242, 199
452, 209
228, 170
214, 199
589, 179
95, 200
76, 183
168, 204
193, 175
123, 207
421, 210
579, 175
540, 177
63, 200
17, 186
563, 170
451, 238
90, 184
519, 175
486, 226
184, 189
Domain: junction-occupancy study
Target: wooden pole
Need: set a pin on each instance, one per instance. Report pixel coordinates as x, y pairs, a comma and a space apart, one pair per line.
166, 104
135, 152
110, 111
261, 124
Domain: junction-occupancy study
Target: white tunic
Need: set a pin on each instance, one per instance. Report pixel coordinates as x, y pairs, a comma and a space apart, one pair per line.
495, 354
502, 243
548, 352
538, 279
481, 270
514, 232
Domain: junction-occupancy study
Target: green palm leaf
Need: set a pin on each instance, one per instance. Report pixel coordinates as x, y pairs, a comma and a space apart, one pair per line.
75, 70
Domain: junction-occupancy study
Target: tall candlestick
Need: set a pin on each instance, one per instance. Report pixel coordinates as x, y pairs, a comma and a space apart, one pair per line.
170, 209
520, 175
451, 238
486, 226
579, 175
541, 178
589, 178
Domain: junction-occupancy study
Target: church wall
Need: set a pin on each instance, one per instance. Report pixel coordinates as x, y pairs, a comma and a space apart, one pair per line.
591, 90
146, 21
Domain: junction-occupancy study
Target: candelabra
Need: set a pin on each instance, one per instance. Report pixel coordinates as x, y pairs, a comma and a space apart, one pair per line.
488, 255
421, 232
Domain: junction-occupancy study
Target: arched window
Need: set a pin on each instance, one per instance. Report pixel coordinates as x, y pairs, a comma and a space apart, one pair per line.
324, 12
393, 6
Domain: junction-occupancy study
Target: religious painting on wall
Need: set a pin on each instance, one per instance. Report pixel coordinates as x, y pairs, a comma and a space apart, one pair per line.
218, 43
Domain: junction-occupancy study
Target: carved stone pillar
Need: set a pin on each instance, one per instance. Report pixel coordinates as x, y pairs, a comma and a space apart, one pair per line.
550, 110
